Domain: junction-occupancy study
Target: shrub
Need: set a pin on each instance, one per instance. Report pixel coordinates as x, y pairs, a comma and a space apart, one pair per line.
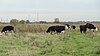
22, 22
14, 22
27, 21
56, 20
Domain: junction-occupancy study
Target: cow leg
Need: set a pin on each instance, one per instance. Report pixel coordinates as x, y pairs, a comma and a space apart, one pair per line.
5, 32
58, 32
81, 30
85, 32
51, 32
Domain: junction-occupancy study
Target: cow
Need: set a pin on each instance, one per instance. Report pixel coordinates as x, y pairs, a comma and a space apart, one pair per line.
73, 26
91, 26
57, 29
7, 29
69, 27
83, 28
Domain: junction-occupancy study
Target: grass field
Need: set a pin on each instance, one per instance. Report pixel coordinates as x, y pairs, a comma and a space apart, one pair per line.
71, 43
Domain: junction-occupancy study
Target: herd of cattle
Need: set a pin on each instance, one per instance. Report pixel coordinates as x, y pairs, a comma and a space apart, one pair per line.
58, 28
83, 28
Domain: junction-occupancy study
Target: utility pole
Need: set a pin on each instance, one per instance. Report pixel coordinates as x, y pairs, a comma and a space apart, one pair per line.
37, 15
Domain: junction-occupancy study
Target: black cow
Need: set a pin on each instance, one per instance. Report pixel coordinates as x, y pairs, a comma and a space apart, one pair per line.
57, 29
73, 26
87, 26
7, 28
83, 28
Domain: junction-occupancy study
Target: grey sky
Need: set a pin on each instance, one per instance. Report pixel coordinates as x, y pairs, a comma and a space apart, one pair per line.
65, 10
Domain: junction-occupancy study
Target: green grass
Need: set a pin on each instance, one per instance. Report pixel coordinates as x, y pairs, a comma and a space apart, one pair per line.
71, 43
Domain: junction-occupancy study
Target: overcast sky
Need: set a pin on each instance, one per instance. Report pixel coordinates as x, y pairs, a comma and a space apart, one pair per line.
65, 10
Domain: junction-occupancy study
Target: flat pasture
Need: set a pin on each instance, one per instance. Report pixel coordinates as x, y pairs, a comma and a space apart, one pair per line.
32, 40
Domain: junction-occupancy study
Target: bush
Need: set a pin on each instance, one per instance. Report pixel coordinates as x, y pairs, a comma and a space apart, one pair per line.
27, 21
56, 20
14, 21
22, 22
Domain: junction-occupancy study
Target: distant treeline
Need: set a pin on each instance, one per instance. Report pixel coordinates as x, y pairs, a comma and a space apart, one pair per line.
56, 21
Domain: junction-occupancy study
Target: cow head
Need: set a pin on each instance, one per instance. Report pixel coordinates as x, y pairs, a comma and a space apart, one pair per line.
66, 27
96, 29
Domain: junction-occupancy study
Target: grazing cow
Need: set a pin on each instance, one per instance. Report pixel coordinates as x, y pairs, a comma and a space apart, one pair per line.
57, 29
68, 26
87, 26
73, 27
91, 26
7, 28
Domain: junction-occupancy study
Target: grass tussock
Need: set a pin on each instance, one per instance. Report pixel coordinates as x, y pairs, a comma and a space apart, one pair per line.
30, 28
